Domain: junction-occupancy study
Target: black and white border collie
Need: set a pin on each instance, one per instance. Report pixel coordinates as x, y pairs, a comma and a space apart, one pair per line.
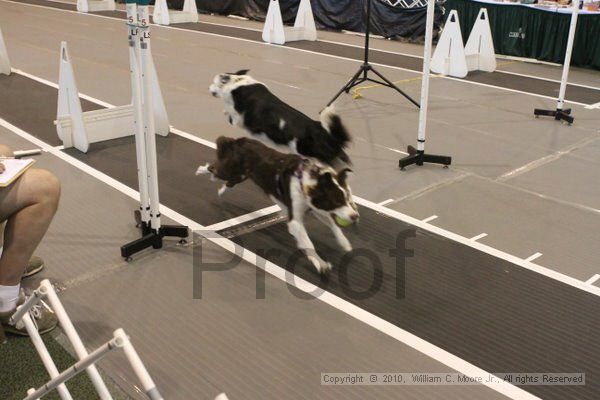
250, 105
295, 183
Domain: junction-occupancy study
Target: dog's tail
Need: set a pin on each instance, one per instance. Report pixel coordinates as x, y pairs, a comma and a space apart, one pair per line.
332, 123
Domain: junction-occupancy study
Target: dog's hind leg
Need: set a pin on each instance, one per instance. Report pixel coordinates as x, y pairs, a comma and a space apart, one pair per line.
297, 230
337, 232
205, 169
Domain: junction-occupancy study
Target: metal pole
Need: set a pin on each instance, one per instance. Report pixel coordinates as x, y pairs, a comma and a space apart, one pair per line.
138, 366
76, 369
146, 61
570, 40
69, 330
37, 341
138, 115
425, 81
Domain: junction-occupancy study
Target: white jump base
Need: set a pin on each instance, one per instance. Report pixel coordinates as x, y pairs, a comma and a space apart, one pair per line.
85, 6
163, 16
304, 26
452, 58
4, 61
80, 129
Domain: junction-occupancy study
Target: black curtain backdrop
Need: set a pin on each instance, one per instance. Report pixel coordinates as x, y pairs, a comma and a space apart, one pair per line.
390, 22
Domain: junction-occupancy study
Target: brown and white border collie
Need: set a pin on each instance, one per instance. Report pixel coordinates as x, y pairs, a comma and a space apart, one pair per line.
295, 183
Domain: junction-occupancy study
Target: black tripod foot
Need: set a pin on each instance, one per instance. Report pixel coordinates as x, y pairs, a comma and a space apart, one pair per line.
419, 158
558, 114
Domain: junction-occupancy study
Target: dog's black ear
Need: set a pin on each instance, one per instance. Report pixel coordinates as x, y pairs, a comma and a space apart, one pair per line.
343, 176
242, 72
224, 145
225, 78
325, 178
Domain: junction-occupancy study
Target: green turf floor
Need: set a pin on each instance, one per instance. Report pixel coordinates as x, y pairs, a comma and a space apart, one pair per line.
21, 369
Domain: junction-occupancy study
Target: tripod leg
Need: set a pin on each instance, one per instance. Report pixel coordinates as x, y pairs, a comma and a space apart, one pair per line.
346, 87
393, 86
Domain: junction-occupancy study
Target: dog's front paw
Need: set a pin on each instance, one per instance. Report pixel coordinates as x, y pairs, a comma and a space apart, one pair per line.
322, 266
345, 244
203, 169
222, 190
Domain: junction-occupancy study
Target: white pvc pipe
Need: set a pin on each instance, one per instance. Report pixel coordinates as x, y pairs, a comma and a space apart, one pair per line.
425, 79
37, 341
75, 369
136, 92
146, 62
24, 308
69, 330
138, 366
570, 40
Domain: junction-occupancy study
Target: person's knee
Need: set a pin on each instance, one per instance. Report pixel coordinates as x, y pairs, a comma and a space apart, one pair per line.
6, 151
47, 187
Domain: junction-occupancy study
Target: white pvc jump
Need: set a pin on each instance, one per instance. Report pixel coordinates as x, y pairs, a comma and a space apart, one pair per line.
163, 16
86, 361
453, 58
4, 61
304, 26
80, 129
85, 6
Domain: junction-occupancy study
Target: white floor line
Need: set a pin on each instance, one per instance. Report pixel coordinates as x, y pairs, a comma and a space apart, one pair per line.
593, 279
340, 304
302, 50
429, 219
592, 106
386, 202
533, 257
244, 218
480, 236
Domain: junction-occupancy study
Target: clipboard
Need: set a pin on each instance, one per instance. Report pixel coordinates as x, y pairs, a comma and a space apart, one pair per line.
14, 168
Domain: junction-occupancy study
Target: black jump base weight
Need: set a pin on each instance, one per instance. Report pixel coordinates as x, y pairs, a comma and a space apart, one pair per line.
558, 114
152, 238
420, 157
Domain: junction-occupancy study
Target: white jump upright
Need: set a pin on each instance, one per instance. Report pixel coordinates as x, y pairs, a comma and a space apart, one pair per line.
417, 155
561, 113
145, 124
304, 27
86, 361
452, 58
163, 16
4, 61
449, 56
479, 49
86, 6
80, 129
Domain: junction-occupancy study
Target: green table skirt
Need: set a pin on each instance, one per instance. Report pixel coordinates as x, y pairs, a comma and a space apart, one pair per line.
527, 32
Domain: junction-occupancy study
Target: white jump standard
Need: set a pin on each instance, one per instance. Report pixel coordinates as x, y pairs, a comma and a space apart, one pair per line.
4, 61
304, 26
417, 156
562, 113
148, 216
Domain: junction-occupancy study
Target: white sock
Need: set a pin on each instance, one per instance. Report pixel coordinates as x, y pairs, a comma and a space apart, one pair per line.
9, 295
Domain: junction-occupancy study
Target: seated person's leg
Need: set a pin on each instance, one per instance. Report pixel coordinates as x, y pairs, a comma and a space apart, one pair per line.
28, 206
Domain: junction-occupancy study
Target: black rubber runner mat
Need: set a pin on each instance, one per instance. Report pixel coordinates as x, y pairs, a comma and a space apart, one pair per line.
180, 189
494, 314
31, 106
509, 81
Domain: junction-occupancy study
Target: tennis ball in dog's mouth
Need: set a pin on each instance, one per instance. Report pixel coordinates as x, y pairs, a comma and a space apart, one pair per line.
342, 222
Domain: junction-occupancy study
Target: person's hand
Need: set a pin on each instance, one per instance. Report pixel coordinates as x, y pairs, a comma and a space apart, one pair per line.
2, 168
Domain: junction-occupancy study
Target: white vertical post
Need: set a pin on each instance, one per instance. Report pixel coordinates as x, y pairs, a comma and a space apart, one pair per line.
570, 40
138, 366
425, 81
39, 345
69, 330
137, 103
151, 163
4, 61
